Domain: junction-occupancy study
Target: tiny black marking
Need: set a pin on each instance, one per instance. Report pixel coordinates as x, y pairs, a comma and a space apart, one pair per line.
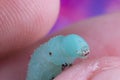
52, 78
66, 64
86, 54
62, 67
50, 53
70, 65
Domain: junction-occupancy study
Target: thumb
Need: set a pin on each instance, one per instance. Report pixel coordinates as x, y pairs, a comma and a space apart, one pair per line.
23, 22
107, 68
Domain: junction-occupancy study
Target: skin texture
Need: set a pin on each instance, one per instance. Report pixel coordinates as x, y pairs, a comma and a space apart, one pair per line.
101, 33
23, 22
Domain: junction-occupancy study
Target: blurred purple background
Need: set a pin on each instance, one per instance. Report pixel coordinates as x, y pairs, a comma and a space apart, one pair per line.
76, 10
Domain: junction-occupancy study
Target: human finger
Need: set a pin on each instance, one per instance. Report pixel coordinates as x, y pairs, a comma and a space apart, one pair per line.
96, 69
24, 22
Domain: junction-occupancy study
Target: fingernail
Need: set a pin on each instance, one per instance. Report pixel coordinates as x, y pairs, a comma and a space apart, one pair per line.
106, 68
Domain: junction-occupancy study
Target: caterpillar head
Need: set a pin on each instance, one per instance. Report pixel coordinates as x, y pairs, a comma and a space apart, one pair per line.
65, 49
75, 46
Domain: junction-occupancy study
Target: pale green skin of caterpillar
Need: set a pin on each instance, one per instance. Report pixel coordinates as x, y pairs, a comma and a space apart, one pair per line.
64, 49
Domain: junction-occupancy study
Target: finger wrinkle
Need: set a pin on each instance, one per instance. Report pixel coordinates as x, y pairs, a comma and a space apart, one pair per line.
24, 22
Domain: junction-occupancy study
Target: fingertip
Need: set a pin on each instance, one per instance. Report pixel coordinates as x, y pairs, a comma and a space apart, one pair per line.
96, 69
24, 22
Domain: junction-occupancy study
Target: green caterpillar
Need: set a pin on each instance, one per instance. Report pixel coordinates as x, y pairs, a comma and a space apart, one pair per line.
52, 57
